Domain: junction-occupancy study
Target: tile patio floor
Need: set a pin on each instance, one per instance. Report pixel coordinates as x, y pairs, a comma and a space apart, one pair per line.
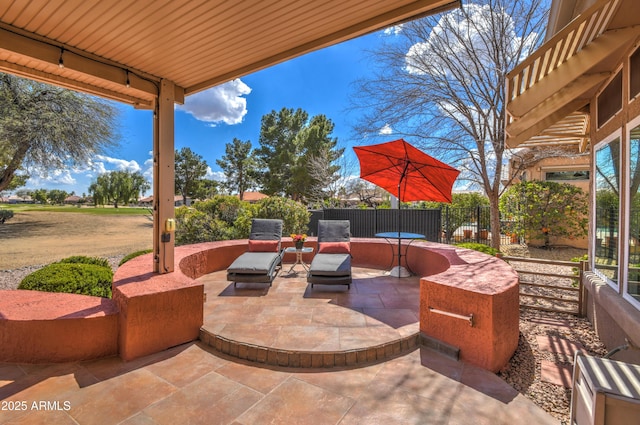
377, 318
194, 384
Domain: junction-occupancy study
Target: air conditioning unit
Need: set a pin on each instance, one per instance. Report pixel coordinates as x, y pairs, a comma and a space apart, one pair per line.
605, 392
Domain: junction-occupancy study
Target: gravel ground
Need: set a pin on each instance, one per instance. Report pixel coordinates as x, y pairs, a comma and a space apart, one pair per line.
523, 371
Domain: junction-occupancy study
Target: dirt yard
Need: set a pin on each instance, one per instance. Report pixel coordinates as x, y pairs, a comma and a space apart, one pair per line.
36, 238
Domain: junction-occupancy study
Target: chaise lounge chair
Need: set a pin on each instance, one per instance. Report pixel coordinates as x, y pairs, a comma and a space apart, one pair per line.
332, 264
261, 262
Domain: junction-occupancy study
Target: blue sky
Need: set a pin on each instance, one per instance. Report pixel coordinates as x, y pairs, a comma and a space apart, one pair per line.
320, 82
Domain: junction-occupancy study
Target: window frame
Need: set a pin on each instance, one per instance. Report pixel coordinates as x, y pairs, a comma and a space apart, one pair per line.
617, 134
624, 263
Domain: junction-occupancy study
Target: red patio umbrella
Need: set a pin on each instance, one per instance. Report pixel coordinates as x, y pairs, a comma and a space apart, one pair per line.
402, 169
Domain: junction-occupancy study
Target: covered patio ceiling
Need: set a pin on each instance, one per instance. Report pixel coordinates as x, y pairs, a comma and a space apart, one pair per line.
153, 53
121, 49
548, 94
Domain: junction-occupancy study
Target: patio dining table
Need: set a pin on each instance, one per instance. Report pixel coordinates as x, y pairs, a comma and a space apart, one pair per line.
399, 270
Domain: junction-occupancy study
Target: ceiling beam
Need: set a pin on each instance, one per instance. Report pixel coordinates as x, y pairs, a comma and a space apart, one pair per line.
559, 135
537, 126
584, 144
608, 44
536, 144
63, 65
556, 102
58, 80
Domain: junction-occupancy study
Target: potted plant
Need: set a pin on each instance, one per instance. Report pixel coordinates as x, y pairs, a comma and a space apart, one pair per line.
298, 240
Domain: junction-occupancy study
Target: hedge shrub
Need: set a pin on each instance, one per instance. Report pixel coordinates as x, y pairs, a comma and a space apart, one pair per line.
134, 255
5, 215
294, 215
73, 278
81, 259
479, 247
226, 217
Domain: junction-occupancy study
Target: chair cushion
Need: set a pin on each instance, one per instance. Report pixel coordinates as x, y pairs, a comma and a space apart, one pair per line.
266, 229
255, 263
334, 248
331, 265
257, 245
334, 230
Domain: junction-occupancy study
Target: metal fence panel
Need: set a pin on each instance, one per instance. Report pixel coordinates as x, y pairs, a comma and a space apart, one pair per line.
365, 223
446, 225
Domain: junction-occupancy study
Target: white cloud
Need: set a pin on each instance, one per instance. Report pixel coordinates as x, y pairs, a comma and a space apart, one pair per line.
79, 177
394, 30
345, 181
223, 103
39, 178
97, 168
120, 164
386, 129
461, 29
215, 175
147, 168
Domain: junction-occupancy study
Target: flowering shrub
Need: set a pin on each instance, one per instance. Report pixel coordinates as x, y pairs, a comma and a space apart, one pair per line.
297, 237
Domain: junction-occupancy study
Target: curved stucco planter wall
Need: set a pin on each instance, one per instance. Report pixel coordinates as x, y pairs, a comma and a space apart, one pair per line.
468, 300
151, 312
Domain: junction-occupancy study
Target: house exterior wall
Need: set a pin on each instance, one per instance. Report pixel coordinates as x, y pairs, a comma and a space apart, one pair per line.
573, 163
614, 315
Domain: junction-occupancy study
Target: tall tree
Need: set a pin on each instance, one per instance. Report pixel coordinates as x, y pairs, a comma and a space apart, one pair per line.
49, 127
191, 169
279, 148
207, 189
318, 149
239, 166
441, 81
40, 196
118, 188
57, 196
290, 145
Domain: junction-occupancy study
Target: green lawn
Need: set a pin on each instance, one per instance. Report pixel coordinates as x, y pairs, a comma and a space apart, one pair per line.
73, 209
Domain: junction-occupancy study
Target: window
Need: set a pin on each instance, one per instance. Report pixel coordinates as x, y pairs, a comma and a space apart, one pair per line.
567, 175
610, 100
607, 207
632, 286
634, 62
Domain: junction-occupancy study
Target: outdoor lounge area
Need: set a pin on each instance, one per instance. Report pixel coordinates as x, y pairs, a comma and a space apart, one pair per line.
361, 348
179, 343
459, 303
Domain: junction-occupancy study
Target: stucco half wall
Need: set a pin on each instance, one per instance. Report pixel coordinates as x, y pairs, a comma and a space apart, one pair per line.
468, 299
151, 312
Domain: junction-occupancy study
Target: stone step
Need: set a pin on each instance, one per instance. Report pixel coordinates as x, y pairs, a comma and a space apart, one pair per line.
310, 358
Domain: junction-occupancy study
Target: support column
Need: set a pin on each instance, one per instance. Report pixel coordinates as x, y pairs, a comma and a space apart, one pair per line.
163, 179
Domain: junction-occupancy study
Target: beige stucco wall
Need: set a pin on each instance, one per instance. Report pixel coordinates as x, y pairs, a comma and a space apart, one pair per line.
574, 163
614, 318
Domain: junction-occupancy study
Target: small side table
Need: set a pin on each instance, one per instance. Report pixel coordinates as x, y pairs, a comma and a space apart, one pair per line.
299, 252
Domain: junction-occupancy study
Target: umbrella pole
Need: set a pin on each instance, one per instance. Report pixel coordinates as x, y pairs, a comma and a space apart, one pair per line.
399, 230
